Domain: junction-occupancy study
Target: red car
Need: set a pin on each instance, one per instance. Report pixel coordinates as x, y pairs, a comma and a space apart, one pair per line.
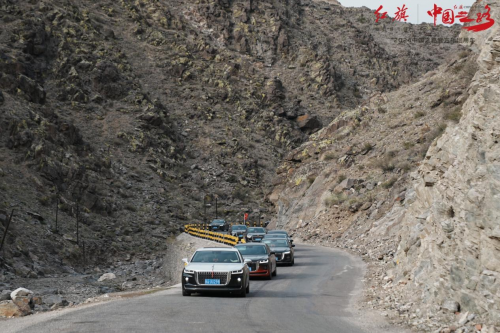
263, 259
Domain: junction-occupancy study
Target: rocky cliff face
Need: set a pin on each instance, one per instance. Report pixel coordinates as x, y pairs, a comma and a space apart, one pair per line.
450, 235
409, 181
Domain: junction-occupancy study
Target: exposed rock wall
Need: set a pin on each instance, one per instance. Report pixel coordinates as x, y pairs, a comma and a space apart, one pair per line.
450, 239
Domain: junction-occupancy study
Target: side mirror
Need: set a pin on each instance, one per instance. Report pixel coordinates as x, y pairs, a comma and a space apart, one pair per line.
266, 223
293, 245
248, 261
185, 261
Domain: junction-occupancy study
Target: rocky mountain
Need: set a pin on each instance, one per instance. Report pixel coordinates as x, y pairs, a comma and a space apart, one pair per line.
129, 116
408, 181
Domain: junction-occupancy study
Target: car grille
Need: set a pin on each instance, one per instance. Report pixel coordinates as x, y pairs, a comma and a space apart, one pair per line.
279, 256
224, 277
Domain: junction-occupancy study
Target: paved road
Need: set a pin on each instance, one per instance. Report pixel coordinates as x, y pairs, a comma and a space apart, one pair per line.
312, 296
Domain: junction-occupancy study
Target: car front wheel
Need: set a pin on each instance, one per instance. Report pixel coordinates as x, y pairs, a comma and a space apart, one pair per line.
186, 293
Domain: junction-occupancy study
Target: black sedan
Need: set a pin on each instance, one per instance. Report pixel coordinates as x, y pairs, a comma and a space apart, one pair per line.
217, 225
283, 250
238, 230
255, 234
263, 259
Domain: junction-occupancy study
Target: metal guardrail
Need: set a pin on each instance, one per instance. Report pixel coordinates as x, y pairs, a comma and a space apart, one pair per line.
198, 230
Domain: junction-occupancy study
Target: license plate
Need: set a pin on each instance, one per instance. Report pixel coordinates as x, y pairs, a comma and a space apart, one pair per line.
215, 227
257, 239
250, 269
212, 281
240, 236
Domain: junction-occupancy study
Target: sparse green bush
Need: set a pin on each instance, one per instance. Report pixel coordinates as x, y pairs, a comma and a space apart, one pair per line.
381, 110
385, 163
367, 147
408, 145
335, 199
330, 156
453, 115
311, 179
405, 167
130, 207
419, 114
341, 178
388, 184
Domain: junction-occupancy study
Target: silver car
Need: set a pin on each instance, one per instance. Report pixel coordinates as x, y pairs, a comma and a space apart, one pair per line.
216, 269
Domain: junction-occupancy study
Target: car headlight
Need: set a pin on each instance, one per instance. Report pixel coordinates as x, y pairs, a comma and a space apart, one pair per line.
248, 236
237, 272
287, 252
188, 271
264, 261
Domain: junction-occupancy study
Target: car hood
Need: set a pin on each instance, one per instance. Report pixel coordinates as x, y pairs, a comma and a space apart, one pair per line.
279, 249
217, 267
255, 257
256, 234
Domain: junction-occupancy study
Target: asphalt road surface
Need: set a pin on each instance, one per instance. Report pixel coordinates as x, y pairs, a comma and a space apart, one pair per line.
315, 295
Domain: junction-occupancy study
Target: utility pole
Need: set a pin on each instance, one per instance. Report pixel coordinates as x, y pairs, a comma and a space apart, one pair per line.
77, 223
216, 206
57, 212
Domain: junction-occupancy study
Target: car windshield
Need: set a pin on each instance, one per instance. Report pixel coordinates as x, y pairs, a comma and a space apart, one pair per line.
276, 236
276, 242
218, 222
251, 250
256, 230
216, 256
277, 232
239, 227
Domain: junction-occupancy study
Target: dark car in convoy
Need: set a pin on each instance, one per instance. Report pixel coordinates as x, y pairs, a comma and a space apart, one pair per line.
263, 259
255, 234
282, 249
270, 235
216, 269
217, 225
238, 230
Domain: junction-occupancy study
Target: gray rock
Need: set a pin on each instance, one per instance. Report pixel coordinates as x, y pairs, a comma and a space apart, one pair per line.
54, 299
5, 295
107, 276
463, 318
20, 292
451, 305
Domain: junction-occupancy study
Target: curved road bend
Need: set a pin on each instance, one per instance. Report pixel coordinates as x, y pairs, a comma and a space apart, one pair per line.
312, 296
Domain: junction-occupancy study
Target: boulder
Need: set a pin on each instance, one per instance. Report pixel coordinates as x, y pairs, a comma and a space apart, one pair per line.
5, 295
32, 90
107, 276
52, 300
451, 305
21, 292
24, 303
346, 184
309, 124
9, 309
